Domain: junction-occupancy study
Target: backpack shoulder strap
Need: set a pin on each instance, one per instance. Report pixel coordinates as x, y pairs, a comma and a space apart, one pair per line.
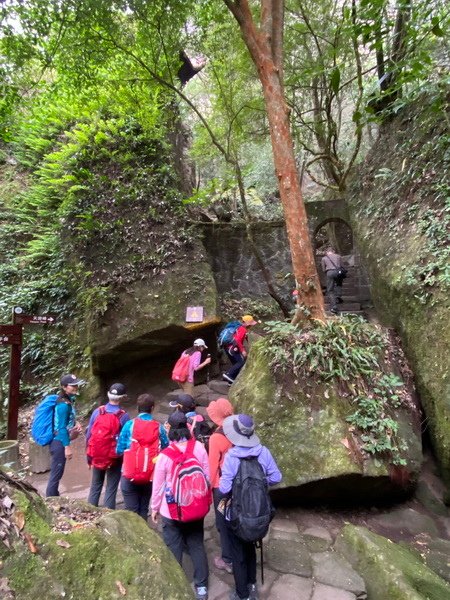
102, 410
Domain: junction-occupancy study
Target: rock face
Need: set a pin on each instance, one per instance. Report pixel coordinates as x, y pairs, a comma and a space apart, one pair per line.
104, 556
400, 222
389, 570
307, 432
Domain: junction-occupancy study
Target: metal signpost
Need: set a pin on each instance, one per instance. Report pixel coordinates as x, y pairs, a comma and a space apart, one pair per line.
11, 335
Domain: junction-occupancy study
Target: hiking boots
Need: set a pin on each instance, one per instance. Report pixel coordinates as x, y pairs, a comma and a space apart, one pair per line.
227, 378
201, 593
252, 591
234, 596
220, 564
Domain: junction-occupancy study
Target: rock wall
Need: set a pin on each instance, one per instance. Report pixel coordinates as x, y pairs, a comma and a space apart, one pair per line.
401, 226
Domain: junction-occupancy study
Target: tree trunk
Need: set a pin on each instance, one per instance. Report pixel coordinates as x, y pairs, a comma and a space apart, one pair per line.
265, 47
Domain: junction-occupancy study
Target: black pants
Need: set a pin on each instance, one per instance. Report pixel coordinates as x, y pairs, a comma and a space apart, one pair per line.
237, 361
57, 465
176, 535
136, 496
334, 288
112, 476
222, 528
244, 564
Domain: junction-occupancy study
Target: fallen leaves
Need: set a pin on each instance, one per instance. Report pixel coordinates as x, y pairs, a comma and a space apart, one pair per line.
121, 588
63, 544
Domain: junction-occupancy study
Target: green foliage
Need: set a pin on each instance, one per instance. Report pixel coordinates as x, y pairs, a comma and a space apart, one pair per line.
353, 353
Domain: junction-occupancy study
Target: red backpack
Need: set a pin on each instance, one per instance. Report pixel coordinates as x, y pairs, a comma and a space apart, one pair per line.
180, 371
102, 443
138, 464
189, 494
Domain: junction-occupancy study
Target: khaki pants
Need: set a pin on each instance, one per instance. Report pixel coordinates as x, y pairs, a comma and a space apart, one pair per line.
187, 387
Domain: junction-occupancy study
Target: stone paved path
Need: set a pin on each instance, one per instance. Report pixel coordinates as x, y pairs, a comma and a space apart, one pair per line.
299, 560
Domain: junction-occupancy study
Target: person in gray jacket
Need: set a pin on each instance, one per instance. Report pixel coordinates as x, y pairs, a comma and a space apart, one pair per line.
331, 263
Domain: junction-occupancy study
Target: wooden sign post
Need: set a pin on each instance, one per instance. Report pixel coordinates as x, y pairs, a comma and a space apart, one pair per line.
11, 335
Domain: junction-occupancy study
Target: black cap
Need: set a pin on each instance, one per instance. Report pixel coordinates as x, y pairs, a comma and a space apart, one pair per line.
177, 420
186, 401
117, 389
70, 380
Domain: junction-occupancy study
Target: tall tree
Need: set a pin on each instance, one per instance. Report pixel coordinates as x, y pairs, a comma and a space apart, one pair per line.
264, 41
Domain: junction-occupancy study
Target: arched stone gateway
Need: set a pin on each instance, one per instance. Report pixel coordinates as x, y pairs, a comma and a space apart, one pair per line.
235, 269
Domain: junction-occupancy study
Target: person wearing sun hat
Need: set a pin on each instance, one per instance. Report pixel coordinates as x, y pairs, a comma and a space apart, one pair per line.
218, 410
195, 364
236, 351
240, 430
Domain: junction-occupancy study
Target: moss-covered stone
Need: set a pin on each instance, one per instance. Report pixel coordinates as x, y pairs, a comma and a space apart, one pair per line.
389, 570
304, 425
107, 558
400, 224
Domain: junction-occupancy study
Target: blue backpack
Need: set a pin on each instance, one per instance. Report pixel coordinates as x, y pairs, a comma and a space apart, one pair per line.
226, 336
42, 428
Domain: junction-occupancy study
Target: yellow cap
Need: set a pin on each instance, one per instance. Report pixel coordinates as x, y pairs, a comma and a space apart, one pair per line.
248, 320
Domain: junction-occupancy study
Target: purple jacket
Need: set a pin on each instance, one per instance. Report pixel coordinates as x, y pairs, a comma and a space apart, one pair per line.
231, 465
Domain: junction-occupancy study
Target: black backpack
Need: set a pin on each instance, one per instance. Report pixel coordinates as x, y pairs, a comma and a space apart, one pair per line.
251, 506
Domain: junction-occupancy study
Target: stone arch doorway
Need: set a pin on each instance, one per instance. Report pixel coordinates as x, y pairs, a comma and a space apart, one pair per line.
335, 232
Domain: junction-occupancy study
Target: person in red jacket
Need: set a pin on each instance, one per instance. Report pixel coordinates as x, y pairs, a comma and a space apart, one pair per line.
219, 445
236, 351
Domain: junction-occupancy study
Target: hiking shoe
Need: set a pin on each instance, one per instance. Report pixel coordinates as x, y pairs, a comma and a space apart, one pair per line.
201, 593
252, 591
227, 378
334, 311
234, 596
220, 564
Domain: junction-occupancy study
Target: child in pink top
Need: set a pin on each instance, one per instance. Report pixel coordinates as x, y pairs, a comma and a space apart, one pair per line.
195, 364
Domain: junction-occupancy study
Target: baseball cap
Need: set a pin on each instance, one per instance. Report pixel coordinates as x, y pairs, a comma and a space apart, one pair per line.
117, 389
177, 419
200, 342
70, 380
184, 400
248, 320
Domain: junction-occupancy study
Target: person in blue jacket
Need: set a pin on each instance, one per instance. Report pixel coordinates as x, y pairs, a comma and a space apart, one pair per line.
65, 428
136, 496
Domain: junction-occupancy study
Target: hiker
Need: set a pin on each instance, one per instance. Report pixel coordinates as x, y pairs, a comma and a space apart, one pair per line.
140, 441
65, 429
189, 362
331, 265
197, 425
219, 445
240, 430
233, 342
103, 430
181, 495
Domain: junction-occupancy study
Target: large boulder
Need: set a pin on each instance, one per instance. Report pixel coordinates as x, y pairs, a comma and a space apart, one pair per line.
68, 549
389, 570
400, 221
304, 424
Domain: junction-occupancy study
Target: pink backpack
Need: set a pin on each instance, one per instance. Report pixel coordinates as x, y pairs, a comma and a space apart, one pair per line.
180, 371
189, 496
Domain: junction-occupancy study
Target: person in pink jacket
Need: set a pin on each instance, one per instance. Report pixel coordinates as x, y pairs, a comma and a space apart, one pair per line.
179, 534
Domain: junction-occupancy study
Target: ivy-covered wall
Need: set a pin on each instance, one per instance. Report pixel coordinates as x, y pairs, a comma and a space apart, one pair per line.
401, 220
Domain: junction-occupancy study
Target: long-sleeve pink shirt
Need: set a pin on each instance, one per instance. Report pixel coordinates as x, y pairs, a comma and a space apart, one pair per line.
162, 476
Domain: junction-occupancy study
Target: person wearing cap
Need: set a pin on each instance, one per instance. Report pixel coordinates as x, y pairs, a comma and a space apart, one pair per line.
240, 430
236, 351
66, 428
117, 393
195, 364
136, 496
179, 535
219, 445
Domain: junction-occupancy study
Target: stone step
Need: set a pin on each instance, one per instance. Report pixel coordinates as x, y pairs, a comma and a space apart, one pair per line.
346, 306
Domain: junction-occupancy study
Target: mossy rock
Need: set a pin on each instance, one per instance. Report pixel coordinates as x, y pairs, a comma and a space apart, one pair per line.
304, 425
389, 570
398, 219
110, 557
